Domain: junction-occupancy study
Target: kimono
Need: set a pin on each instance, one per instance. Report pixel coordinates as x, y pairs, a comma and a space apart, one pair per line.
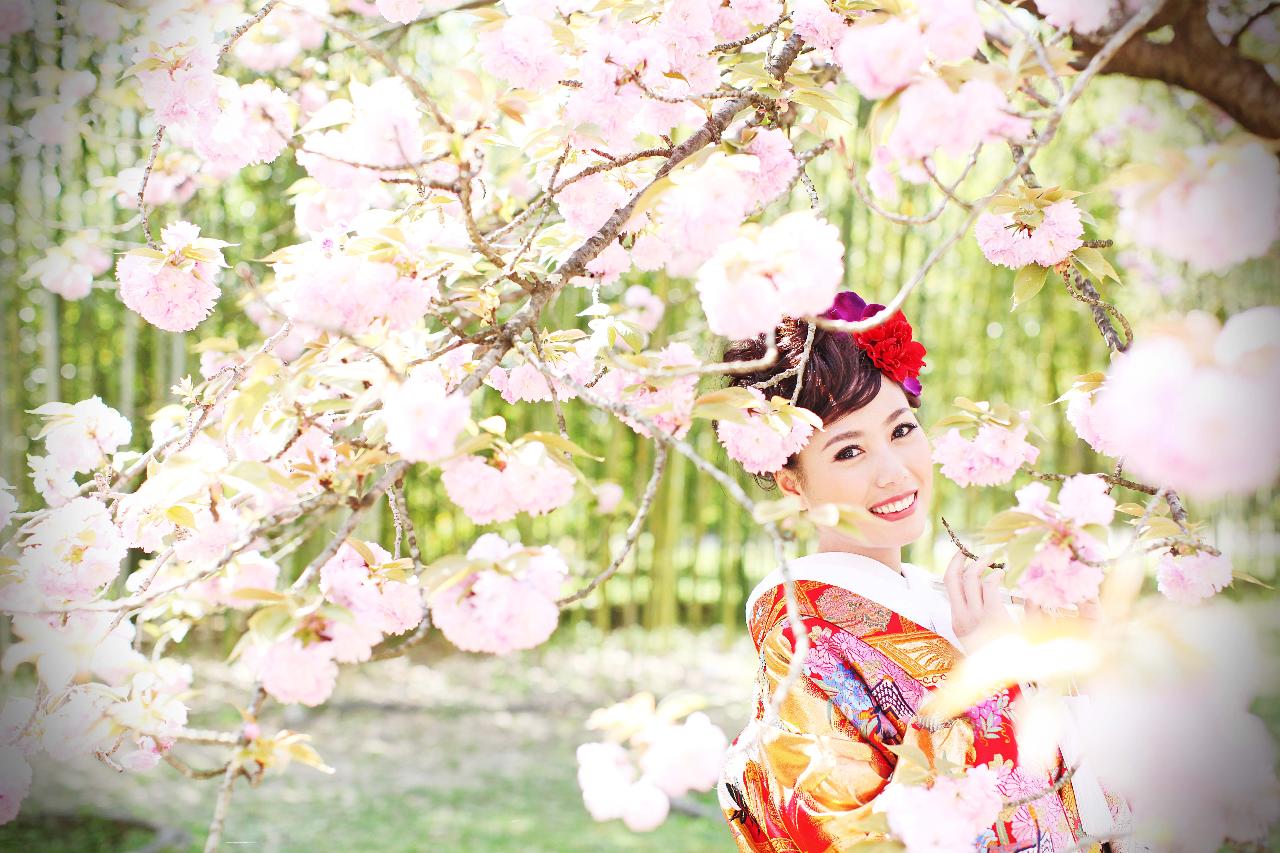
879, 642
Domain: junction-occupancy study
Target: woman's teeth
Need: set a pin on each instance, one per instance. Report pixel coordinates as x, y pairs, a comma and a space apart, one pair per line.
897, 506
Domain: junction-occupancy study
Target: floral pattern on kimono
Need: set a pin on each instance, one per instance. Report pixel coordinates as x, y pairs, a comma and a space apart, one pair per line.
806, 782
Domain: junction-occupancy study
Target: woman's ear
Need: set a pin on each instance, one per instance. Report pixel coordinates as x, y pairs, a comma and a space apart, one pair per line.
787, 481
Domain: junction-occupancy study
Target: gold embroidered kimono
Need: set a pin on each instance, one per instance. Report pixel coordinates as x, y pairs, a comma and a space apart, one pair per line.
807, 782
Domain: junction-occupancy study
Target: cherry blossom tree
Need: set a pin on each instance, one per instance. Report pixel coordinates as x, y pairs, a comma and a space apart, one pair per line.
449, 197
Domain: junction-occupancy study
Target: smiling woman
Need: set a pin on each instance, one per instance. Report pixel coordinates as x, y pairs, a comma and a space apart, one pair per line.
818, 775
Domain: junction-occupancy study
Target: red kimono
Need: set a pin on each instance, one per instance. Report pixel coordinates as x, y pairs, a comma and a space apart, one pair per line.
867, 671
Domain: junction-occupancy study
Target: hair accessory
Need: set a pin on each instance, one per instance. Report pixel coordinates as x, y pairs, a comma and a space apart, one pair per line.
889, 344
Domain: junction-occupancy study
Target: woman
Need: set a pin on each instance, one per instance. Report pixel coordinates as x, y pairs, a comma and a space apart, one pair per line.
881, 636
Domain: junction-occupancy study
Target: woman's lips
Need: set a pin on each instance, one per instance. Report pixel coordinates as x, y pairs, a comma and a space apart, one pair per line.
902, 513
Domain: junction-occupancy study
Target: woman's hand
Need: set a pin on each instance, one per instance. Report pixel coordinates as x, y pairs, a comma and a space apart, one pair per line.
977, 602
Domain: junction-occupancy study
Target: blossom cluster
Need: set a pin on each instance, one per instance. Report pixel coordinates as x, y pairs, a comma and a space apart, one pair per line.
525, 479
990, 458
1064, 569
662, 760
302, 666
508, 603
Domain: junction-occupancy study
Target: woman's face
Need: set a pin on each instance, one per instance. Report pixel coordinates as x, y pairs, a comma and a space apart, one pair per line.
874, 458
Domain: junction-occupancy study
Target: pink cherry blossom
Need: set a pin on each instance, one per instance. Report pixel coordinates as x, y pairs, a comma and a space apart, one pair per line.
605, 775
278, 39
946, 816
758, 11
1082, 415
684, 758
668, 402
53, 481
333, 290
608, 496
1054, 578
880, 59
177, 292
249, 570
292, 672
505, 608
990, 459
1014, 245
522, 51
645, 808
933, 117
254, 126
1174, 414
81, 436
84, 643
1084, 500
79, 726
703, 209
536, 482
400, 11
479, 489
644, 308
587, 203
423, 420
952, 29
384, 605
184, 91
793, 266
778, 163
818, 24
1217, 206
1082, 16
758, 445
1194, 577
74, 550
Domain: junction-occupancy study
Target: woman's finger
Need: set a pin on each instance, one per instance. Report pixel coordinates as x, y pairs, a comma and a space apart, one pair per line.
993, 591
951, 579
973, 586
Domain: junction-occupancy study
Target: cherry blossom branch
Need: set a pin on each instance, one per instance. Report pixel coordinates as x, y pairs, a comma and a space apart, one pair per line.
142, 190
245, 27
544, 197
765, 361
1085, 292
190, 772
233, 769
748, 39
135, 601
1113, 479
633, 531
799, 369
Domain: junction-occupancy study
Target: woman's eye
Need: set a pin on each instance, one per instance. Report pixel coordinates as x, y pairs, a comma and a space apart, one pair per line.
847, 452
902, 430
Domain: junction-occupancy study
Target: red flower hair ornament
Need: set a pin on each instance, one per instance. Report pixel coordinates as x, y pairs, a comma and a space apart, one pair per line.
889, 344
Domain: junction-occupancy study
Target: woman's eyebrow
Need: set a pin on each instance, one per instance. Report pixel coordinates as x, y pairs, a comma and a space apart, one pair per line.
857, 432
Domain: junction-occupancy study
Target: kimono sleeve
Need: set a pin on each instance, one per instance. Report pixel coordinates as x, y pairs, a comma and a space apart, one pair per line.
830, 755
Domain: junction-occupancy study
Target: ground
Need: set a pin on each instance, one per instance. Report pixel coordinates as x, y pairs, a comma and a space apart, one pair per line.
447, 752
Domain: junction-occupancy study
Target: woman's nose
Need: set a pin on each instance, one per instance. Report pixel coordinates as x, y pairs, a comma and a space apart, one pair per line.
892, 470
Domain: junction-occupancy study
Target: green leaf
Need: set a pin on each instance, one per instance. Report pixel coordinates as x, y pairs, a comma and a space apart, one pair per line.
248, 593
559, 442
1095, 263
1027, 283
181, 516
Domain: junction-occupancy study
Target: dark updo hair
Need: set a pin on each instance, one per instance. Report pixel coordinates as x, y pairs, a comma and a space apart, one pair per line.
839, 378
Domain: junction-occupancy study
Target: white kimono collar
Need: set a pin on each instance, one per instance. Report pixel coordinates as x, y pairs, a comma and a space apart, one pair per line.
911, 594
